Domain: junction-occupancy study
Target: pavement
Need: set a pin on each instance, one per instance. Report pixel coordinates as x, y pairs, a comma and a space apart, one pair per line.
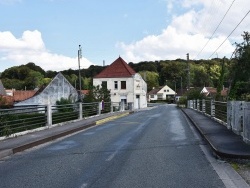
223, 141
17, 144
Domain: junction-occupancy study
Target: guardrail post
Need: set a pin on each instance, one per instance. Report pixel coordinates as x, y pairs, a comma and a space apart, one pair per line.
111, 107
49, 115
203, 105
246, 123
198, 104
99, 108
212, 108
229, 114
190, 103
80, 110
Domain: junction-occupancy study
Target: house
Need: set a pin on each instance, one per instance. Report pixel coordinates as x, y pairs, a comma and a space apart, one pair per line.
162, 93
211, 92
124, 83
58, 88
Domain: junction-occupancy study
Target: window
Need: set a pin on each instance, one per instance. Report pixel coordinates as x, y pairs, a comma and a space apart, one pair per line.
123, 84
115, 84
104, 84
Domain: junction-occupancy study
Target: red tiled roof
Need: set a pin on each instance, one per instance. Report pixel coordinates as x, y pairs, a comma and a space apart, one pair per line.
23, 95
119, 68
85, 92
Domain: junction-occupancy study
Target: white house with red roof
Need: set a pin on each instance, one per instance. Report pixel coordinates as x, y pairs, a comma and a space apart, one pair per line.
124, 83
161, 93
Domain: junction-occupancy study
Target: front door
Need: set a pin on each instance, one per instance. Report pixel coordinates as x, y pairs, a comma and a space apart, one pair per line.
137, 102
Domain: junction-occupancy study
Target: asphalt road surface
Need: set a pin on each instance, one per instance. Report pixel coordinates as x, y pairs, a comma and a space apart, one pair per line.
150, 148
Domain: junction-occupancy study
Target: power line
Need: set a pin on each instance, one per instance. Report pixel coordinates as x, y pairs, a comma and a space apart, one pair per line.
230, 34
215, 29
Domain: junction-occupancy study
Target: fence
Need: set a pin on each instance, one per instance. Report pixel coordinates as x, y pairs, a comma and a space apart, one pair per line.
24, 118
233, 114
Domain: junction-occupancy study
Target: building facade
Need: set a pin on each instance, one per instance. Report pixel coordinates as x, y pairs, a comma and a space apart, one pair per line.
58, 88
125, 85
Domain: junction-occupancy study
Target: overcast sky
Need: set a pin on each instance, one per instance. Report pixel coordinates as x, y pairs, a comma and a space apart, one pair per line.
49, 32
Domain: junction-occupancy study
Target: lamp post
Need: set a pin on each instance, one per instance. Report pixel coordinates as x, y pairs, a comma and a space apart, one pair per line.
80, 84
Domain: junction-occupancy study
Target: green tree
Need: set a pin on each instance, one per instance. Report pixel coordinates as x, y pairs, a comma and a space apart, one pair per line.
87, 83
241, 69
200, 77
13, 83
97, 94
151, 78
194, 94
73, 79
33, 80
221, 81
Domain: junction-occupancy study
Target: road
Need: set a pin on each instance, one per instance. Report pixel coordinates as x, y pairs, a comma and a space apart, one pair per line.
150, 148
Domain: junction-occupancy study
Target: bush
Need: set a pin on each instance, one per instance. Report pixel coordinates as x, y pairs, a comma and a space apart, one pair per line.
182, 102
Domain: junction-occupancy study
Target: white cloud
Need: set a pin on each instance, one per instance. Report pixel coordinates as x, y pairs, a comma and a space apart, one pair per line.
189, 31
31, 48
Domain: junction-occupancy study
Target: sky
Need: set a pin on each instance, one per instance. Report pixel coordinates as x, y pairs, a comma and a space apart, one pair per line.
49, 32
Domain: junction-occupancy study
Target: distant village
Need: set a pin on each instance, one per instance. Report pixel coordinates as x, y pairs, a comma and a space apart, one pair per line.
125, 85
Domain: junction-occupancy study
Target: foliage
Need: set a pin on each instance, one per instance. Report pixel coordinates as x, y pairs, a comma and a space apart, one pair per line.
240, 69
221, 81
97, 94
201, 77
62, 105
194, 94
23, 77
13, 123
182, 102
151, 78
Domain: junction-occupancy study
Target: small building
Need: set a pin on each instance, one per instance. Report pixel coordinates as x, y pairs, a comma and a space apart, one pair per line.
124, 83
162, 93
211, 92
58, 88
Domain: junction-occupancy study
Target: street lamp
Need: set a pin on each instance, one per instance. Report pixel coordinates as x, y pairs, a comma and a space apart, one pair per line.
80, 84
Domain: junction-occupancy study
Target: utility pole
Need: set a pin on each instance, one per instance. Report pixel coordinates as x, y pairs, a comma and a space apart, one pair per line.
188, 73
181, 87
80, 84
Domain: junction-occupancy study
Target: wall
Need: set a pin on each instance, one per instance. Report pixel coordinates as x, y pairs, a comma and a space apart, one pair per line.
58, 88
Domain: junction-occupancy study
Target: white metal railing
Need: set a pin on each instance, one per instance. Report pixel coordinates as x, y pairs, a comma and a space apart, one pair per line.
26, 118
233, 114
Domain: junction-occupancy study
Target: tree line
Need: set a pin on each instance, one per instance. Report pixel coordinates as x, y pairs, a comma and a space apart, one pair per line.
231, 73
